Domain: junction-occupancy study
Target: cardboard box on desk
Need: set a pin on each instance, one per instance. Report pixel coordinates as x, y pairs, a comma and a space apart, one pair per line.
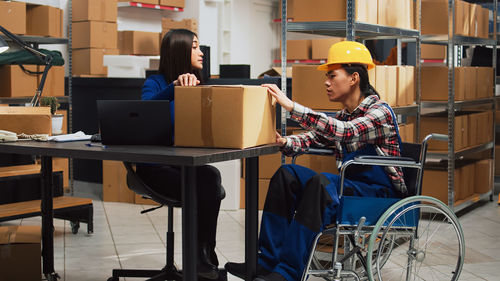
308, 88
54, 82
224, 116
28, 120
138, 43
13, 16
173, 3
94, 34
90, 61
44, 21
15, 82
94, 10
20, 252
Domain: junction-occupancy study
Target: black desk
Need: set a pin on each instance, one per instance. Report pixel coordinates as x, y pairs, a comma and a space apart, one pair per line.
188, 158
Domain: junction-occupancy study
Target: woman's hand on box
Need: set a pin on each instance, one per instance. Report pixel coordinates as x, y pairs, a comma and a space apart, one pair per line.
280, 97
187, 79
281, 141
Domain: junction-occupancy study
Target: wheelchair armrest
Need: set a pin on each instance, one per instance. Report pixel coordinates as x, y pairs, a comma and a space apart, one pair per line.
385, 161
387, 158
314, 151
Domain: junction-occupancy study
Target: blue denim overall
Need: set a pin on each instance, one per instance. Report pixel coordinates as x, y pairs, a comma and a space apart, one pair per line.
288, 228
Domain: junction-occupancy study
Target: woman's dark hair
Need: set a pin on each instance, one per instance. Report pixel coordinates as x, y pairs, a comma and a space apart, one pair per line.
175, 55
364, 81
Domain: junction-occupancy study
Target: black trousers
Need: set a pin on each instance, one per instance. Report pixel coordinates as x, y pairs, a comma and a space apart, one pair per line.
166, 180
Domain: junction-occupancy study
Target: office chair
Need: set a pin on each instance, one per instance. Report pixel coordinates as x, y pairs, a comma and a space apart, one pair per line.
169, 272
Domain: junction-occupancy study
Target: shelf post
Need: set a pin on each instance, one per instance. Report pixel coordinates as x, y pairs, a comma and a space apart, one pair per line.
284, 27
451, 102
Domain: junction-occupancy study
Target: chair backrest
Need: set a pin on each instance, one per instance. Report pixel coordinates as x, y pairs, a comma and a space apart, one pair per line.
411, 150
135, 183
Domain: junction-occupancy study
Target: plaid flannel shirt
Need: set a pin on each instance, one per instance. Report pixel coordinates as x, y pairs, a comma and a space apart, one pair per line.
370, 123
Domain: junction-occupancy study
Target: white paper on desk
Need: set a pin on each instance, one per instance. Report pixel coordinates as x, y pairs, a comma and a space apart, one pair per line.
78, 136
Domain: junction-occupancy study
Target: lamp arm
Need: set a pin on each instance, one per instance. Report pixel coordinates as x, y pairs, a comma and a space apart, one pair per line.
24, 45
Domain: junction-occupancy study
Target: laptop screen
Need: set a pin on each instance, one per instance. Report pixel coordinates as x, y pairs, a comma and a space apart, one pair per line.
135, 122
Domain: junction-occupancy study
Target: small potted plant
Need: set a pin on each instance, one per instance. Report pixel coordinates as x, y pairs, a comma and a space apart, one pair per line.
57, 119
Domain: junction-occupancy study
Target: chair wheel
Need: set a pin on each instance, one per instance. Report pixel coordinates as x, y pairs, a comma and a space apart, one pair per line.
75, 226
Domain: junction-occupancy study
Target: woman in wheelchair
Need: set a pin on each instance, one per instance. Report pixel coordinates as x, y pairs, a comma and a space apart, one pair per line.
301, 202
180, 63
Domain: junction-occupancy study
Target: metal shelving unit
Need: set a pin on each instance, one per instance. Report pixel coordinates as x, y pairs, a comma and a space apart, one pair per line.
451, 106
352, 31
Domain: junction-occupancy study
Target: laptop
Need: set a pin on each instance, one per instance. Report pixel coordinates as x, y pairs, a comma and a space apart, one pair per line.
135, 122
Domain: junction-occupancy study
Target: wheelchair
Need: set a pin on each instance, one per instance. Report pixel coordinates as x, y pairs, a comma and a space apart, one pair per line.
412, 238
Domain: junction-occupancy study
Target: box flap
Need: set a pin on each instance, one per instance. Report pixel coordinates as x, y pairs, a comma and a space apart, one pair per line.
20, 234
43, 110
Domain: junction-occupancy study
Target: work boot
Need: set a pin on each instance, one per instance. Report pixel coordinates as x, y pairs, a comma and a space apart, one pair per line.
274, 276
206, 268
240, 269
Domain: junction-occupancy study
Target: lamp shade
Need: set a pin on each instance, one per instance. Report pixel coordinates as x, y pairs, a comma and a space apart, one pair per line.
3, 45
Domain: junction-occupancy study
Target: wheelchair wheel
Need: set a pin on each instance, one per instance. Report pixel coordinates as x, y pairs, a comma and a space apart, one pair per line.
428, 242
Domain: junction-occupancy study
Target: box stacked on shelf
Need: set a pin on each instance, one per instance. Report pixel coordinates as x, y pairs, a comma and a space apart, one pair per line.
138, 43
94, 35
470, 83
13, 16
44, 21
394, 13
315, 49
470, 19
16, 82
395, 85
168, 24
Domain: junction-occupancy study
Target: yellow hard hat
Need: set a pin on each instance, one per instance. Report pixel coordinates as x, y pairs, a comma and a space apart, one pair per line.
346, 52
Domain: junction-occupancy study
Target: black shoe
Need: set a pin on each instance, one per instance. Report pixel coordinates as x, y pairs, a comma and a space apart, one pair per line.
240, 269
206, 268
271, 277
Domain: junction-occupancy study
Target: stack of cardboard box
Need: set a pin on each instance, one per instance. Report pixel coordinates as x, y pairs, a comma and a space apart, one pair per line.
315, 49
470, 20
138, 43
94, 35
167, 24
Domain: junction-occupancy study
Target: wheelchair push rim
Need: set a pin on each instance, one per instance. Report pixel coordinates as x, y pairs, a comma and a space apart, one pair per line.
431, 247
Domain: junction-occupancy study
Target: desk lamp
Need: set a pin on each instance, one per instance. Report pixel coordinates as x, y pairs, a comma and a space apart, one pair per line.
44, 58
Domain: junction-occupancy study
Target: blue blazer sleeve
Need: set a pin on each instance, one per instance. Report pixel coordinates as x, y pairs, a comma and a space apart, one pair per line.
155, 88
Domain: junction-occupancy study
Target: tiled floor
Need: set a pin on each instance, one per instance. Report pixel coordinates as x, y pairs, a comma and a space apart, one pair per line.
125, 238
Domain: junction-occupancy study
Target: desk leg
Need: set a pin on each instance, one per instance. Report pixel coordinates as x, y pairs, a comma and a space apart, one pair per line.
251, 215
189, 224
47, 219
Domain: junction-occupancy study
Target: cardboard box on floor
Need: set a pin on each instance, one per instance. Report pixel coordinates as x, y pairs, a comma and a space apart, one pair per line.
483, 179
298, 49
13, 16
94, 10
20, 248
138, 43
333, 10
224, 116
173, 3
44, 21
28, 120
320, 47
94, 34
308, 88
54, 82
15, 82
114, 183
90, 61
